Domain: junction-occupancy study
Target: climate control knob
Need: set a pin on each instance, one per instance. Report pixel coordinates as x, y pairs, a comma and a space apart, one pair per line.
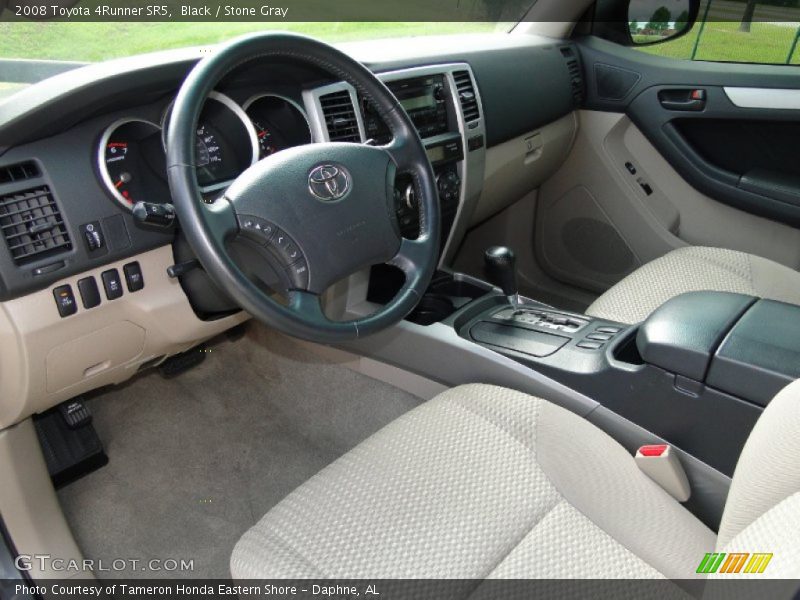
449, 185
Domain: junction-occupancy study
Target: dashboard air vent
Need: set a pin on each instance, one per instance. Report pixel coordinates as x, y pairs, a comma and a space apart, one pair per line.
575, 75
18, 172
466, 95
340, 117
32, 225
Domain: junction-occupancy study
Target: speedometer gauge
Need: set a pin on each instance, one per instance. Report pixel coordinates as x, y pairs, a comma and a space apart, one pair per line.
209, 158
131, 162
225, 143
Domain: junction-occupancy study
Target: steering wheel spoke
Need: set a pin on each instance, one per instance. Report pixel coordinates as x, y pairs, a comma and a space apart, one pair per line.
402, 153
411, 256
221, 220
307, 305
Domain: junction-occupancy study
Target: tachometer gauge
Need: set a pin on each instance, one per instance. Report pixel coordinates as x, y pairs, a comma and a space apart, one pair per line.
280, 123
131, 162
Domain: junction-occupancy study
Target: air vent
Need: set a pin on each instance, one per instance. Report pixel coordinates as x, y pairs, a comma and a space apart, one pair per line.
19, 172
575, 74
466, 95
340, 117
32, 225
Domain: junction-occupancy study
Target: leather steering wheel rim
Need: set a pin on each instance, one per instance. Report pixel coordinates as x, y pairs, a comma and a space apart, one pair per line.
208, 227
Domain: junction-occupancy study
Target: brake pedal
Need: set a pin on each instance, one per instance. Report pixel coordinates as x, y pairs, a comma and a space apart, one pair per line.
70, 444
180, 363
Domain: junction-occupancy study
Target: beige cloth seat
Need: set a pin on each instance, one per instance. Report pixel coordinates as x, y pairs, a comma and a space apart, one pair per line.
695, 269
485, 482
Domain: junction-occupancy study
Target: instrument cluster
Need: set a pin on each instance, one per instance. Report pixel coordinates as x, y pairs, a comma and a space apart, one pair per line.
131, 154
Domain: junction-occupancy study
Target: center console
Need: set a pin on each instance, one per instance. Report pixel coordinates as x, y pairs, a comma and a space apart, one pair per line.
443, 102
698, 372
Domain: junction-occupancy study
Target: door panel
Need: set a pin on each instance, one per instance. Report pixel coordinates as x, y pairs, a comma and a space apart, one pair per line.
665, 158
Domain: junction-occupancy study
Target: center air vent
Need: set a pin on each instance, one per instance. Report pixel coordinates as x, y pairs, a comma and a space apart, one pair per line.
466, 95
32, 225
575, 74
340, 117
18, 172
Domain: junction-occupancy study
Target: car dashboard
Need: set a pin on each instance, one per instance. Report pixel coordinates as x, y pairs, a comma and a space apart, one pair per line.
90, 294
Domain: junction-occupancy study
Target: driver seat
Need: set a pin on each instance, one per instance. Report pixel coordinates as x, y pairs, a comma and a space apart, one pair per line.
486, 482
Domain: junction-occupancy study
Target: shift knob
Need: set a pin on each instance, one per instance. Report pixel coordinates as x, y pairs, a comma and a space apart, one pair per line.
501, 269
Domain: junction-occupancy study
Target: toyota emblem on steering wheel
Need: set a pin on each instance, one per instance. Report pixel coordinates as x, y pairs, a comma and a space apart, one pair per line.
329, 182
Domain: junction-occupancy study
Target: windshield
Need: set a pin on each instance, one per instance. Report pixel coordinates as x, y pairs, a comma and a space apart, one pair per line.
92, 42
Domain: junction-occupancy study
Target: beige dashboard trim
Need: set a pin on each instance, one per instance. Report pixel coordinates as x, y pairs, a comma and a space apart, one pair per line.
30, 508
45, 359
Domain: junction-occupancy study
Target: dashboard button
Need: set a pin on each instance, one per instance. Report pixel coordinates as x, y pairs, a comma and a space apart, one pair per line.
90, 294
93, 235
608, 329
133, 276
590, 345
298, 274
600, 337
112, 284
65, 301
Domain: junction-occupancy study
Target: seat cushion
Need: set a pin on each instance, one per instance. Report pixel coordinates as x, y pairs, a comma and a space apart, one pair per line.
695, 269
479, 482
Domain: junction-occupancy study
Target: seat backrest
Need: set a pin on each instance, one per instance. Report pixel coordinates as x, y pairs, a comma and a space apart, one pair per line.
763, 506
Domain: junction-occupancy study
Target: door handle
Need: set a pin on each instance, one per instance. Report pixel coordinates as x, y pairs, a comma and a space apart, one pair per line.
685, 100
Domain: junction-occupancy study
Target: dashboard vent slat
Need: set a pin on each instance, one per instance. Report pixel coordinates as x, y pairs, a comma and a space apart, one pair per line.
575, 74
18, 172
340, 117
32, 225
466, 95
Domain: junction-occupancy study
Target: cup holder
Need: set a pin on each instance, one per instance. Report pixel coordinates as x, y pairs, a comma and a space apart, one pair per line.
431, 309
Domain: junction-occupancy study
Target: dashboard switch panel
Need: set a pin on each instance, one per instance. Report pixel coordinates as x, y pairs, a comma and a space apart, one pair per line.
90, 294
133, 276
65, 301
112, 284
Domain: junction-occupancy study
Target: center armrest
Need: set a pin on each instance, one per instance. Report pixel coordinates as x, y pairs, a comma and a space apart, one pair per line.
682, 335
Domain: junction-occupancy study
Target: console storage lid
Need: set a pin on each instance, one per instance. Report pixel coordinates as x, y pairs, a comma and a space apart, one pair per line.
761, 354
682, 335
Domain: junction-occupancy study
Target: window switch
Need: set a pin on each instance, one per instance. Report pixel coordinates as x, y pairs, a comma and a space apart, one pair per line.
112, 284
133, 276
65, 301
90, 294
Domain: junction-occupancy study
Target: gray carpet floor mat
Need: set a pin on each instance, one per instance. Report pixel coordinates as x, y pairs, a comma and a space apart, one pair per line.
196, 460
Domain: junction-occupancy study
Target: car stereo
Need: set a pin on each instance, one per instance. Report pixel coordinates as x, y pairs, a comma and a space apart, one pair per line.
423, 98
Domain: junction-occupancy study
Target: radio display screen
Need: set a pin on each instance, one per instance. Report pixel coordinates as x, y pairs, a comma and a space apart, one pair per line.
417, 102
415, 94
435, 154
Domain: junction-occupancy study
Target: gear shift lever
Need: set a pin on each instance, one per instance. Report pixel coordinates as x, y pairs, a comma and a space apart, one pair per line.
501, 269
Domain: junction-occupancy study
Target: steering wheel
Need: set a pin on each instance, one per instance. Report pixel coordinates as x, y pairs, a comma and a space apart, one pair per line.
326, 209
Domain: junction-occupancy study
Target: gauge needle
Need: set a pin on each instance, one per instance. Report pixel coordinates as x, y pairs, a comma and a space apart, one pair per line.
123, 179
261, 134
